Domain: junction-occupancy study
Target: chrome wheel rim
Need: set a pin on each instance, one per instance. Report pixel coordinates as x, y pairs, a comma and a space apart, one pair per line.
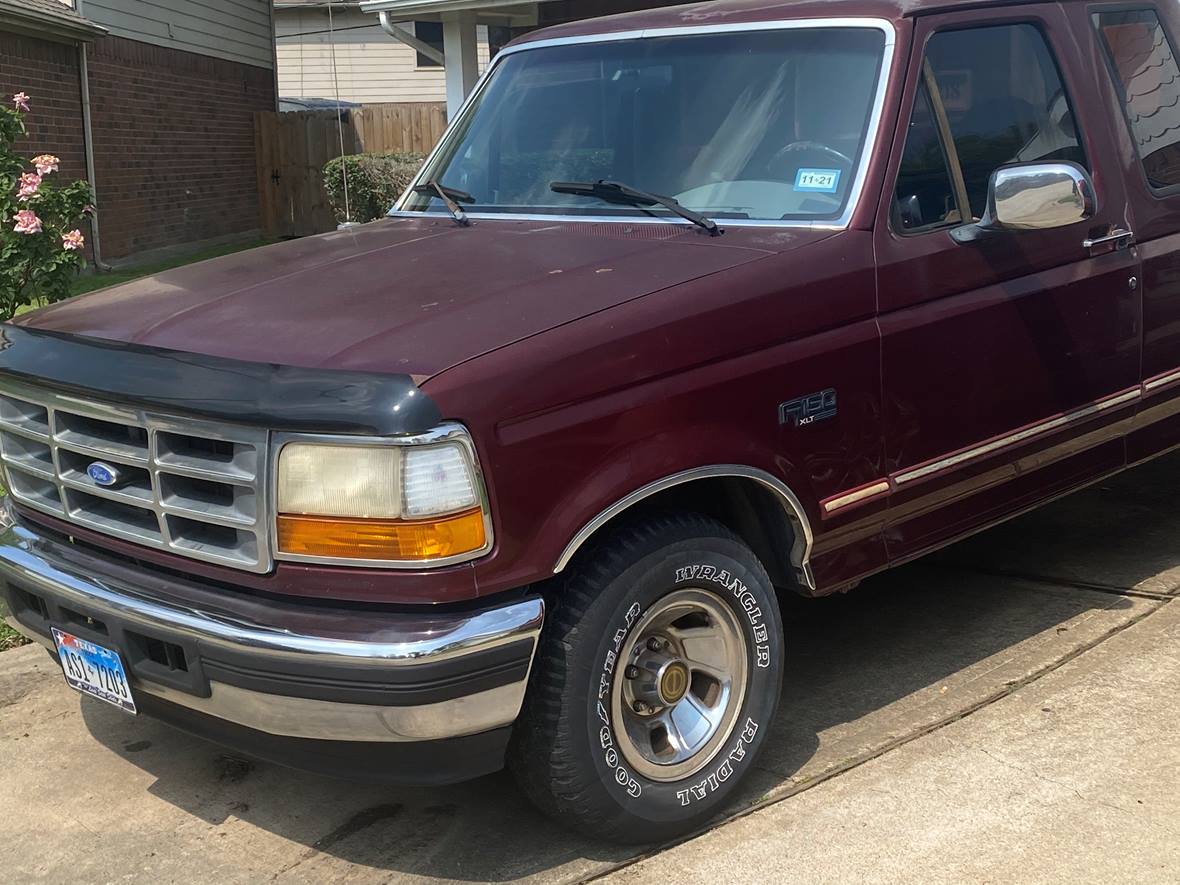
680, 681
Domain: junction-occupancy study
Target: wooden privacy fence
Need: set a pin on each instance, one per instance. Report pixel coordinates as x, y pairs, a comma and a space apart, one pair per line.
293, 147
417, 126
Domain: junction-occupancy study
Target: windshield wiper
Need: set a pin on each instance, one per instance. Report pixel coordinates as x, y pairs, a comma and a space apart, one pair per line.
450, 196
616, 191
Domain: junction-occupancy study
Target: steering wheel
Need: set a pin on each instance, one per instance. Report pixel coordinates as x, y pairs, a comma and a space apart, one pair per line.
792, 157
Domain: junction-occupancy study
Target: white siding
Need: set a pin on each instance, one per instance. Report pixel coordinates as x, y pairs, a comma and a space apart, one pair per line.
238, 30
370, 65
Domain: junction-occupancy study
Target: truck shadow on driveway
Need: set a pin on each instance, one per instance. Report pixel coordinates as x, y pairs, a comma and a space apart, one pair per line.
897, 656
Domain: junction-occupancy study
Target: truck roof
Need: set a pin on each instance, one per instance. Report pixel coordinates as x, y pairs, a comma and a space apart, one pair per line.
729, 12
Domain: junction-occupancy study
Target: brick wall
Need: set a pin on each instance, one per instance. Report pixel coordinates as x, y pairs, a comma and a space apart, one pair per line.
48, 72
173, 135
174, 144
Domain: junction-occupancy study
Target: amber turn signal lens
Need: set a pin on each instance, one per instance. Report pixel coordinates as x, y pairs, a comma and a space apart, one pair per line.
382, 539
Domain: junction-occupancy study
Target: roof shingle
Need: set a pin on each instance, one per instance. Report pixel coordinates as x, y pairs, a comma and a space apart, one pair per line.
49, 14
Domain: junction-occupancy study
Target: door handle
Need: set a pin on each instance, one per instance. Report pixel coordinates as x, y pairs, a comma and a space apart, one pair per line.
1118, 238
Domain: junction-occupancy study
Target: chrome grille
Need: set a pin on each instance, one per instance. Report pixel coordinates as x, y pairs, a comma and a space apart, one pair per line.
193, 487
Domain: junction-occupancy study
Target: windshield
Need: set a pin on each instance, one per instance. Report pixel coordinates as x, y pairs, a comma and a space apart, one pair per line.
763, 125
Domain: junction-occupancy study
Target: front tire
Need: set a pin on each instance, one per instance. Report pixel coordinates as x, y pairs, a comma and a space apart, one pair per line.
655, 684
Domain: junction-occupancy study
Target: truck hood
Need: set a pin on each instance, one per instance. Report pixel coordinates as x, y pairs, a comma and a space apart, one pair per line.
414, 296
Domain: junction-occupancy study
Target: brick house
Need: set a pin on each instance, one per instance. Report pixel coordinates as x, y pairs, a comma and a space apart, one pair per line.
154, 103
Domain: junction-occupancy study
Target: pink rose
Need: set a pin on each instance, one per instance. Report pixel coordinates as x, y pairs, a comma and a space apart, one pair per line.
21, 101
73, 241
46, 163
29, 183
27, 222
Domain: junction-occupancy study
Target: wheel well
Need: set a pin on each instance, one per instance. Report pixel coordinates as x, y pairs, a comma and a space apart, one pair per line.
759, 515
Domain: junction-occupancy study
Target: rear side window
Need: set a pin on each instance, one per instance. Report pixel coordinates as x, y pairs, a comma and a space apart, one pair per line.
1146, 72
1004, 103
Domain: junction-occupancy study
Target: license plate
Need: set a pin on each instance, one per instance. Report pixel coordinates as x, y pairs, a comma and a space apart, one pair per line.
94, 670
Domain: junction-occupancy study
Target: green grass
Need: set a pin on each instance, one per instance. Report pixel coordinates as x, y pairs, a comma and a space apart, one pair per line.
9, 638
90, 282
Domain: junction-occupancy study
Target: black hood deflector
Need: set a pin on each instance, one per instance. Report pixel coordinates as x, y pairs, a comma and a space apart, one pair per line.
180, 383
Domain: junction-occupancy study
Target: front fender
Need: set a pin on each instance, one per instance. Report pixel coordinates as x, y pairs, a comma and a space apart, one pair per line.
792, 511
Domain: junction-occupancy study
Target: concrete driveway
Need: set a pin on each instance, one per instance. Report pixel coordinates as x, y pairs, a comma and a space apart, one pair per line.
1023, 676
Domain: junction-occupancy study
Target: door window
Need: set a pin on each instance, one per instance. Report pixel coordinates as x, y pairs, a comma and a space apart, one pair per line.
1147, 74
1004, 102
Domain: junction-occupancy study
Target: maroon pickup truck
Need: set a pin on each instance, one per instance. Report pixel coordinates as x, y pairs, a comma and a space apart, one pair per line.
688, 308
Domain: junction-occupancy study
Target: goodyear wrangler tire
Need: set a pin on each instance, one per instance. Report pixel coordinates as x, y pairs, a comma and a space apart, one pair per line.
656, 682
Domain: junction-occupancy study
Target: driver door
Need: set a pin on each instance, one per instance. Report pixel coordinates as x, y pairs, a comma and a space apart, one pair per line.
1009, 361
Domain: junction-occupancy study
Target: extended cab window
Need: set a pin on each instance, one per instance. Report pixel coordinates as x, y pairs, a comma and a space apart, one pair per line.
1145, 67
1003, 101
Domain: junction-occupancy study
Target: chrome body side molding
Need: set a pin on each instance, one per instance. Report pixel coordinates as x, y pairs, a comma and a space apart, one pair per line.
1018, 436
1159, 381
886, 485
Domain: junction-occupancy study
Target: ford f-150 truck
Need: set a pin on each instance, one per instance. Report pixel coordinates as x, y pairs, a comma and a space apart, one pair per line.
689, 308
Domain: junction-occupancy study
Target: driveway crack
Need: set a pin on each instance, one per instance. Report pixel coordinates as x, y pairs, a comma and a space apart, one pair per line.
1032, 772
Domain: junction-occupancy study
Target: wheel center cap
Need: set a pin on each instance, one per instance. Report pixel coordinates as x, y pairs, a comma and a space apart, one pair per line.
673, 683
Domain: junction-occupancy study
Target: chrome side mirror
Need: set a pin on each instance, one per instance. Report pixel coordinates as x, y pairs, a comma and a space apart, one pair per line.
1034, 196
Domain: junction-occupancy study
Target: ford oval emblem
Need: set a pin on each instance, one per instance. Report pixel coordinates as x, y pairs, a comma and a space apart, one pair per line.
102, 474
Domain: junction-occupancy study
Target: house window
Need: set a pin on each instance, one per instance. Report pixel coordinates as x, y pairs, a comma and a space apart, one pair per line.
498, 38
1149, 78
432, 33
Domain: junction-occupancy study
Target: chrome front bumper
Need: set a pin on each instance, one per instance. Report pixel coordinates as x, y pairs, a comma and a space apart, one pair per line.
285, 669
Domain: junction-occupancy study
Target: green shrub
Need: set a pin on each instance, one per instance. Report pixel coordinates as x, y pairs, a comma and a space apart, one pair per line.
41, 241
375, 181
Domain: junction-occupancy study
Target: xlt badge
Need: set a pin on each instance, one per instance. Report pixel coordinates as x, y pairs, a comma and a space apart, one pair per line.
809, 409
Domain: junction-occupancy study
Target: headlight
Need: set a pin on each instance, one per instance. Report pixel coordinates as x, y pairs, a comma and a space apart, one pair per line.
331, 480
381, 502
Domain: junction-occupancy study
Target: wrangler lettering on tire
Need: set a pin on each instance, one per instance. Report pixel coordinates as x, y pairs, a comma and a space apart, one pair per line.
658, 674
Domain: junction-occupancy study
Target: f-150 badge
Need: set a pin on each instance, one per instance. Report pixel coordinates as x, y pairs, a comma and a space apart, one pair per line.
808, 409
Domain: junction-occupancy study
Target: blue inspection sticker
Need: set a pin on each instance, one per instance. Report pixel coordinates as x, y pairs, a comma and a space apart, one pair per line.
817, 181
